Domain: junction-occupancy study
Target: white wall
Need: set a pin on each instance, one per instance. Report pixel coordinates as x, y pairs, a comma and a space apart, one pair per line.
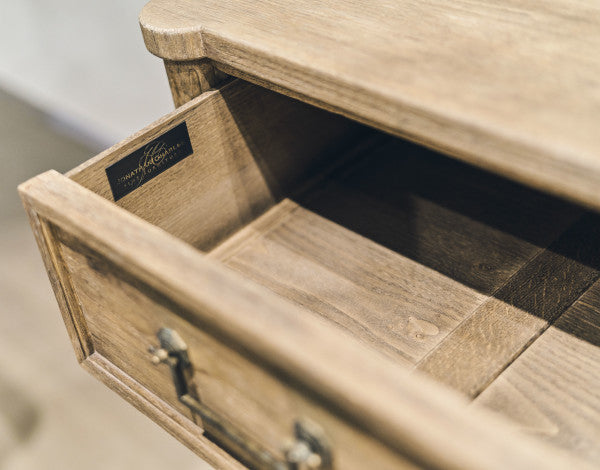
85, 63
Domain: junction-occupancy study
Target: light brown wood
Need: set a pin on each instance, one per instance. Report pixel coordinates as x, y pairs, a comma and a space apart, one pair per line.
192, 78
251, 146
76, 325
493, 84
154, 407
551, 390
410, 415
359, 257
401, 247
480, 348
61, 284
439, 319
124, 324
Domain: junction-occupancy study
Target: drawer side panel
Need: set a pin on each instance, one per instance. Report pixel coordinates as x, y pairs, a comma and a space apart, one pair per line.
250, 147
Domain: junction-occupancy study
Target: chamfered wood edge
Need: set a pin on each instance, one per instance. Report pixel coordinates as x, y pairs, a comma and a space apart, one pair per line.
190, 79
160, 41
147, 402
61, 283
419, 419
555, 170
187, 432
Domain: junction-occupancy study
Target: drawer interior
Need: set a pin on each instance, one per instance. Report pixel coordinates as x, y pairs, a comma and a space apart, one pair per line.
487, 286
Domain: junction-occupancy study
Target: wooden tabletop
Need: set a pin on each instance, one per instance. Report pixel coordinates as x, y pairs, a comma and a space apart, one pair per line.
510, 86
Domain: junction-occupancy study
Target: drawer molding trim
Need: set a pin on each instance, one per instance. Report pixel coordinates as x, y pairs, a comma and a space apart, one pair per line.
61, 284
184, 430
147, 402
420, 420
310, 449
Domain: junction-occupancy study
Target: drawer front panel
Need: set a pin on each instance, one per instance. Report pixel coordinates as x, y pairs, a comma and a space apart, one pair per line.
261, 363
123, 317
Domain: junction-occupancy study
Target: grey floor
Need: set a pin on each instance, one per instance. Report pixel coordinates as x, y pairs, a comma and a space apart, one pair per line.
52, 414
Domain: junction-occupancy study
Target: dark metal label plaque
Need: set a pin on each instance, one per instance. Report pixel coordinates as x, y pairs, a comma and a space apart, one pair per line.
148, 161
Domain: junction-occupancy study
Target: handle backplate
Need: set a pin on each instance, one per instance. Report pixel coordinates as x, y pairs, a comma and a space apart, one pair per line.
309, 450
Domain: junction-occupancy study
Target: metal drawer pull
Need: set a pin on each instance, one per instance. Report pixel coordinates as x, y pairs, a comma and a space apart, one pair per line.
308, 451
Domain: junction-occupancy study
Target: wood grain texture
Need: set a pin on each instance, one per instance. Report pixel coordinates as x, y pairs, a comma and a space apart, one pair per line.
551, 390
77, 328
190, 79
123, 320
365, 289
402, 246
250, 145
491, 83
103, 312
481, 347
183, 429
411, 415
61, 283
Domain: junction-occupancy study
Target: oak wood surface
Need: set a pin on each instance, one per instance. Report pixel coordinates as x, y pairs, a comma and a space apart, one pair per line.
61, 283
432, 263
251, 146
190, 79
435, 264
123, 325
76, 323
482, 346
157, 409
409, 414
510, 86
551, 390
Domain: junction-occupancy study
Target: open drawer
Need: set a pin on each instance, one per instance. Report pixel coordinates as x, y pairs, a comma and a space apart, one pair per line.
264, 278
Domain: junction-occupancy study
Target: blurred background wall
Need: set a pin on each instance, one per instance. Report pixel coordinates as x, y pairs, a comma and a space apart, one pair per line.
85, 63
75, 78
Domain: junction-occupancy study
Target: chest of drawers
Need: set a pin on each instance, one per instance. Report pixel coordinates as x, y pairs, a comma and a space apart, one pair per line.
281, 280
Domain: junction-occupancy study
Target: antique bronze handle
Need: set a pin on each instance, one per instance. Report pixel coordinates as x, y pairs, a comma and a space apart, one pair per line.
308, 451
